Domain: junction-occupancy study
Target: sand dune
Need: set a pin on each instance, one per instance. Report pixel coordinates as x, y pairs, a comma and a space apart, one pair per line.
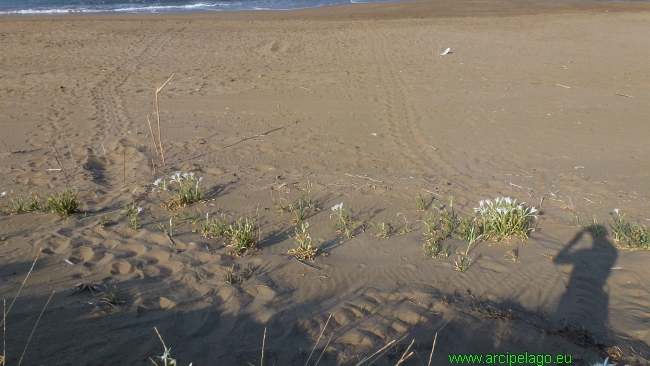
543, 102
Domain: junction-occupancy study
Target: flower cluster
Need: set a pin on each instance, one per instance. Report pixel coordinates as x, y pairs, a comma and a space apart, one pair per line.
504, 217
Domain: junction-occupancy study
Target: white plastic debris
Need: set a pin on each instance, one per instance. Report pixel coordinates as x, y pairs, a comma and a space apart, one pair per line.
446, 52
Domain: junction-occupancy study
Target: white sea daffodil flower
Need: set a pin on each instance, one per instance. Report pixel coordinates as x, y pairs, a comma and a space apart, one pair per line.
157, 182
616, 210
3, 194
139, 208
508, 200
337, 208
533, 210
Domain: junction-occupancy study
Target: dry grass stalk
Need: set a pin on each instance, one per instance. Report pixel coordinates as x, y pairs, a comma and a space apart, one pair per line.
69, 149
318, 340
153, 167
34, 329
4, 333
124, 165
21, 286
263, 341
162, 151
58, 159
152, 136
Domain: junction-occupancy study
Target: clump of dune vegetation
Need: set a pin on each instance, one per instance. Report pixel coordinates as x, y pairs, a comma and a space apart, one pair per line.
188, 190
63, 203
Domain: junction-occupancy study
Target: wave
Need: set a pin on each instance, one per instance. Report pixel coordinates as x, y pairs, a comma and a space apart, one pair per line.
129, 9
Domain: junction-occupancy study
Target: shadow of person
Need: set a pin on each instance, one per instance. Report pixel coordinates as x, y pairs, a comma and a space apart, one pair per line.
586, 300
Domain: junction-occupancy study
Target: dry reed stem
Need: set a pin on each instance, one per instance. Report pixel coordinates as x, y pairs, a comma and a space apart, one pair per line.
435, 338
4, 333
162, 151
324, 349
69, 149
58, 159
263, 341
405, 355
161, 340
321, 334
34, 329
21, 286
153, 167
124, 165
152, 136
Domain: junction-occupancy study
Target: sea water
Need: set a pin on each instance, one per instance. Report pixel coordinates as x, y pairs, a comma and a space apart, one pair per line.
26, 7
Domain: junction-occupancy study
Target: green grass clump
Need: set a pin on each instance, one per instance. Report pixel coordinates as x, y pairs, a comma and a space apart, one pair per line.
502, 219
304, 249
383, 231
595, 229
468, 230
243, 236
636, 235
189, 190
421, 203
63, 203
213, 228
20, 205
132, 211
343, 221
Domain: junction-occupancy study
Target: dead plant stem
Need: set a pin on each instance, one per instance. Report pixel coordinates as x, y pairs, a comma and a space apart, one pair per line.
162, 151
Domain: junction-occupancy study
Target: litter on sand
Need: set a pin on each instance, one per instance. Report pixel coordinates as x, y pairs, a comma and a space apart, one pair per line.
446, 52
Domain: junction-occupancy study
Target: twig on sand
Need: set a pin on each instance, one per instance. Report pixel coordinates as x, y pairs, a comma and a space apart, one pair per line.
34, 329
263, 341
318, 340
153, 167
433, 193
363, 177
623, 95
564, 86
435, 338
303, 263
162, 151
7, 147
69, 149
104, 149
61, 164
153, 137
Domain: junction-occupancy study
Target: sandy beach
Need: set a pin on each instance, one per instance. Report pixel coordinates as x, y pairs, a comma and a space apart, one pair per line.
544, 102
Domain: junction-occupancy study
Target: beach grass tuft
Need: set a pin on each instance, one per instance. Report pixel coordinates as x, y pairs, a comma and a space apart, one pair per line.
635, 235
383, 230
343, 220
503, 218
63, 203
20, 205
189, 190
214, 227
243, 235
132, 211
304, 249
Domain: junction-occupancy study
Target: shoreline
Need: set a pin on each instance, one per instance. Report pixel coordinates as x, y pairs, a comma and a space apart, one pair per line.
372, 11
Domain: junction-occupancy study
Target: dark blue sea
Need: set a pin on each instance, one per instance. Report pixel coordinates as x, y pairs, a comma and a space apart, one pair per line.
157, 6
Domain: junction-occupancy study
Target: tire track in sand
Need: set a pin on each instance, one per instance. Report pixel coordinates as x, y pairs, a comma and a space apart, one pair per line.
402, 120
110, 115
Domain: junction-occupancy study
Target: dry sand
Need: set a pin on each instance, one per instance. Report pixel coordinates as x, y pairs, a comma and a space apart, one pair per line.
538, 101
